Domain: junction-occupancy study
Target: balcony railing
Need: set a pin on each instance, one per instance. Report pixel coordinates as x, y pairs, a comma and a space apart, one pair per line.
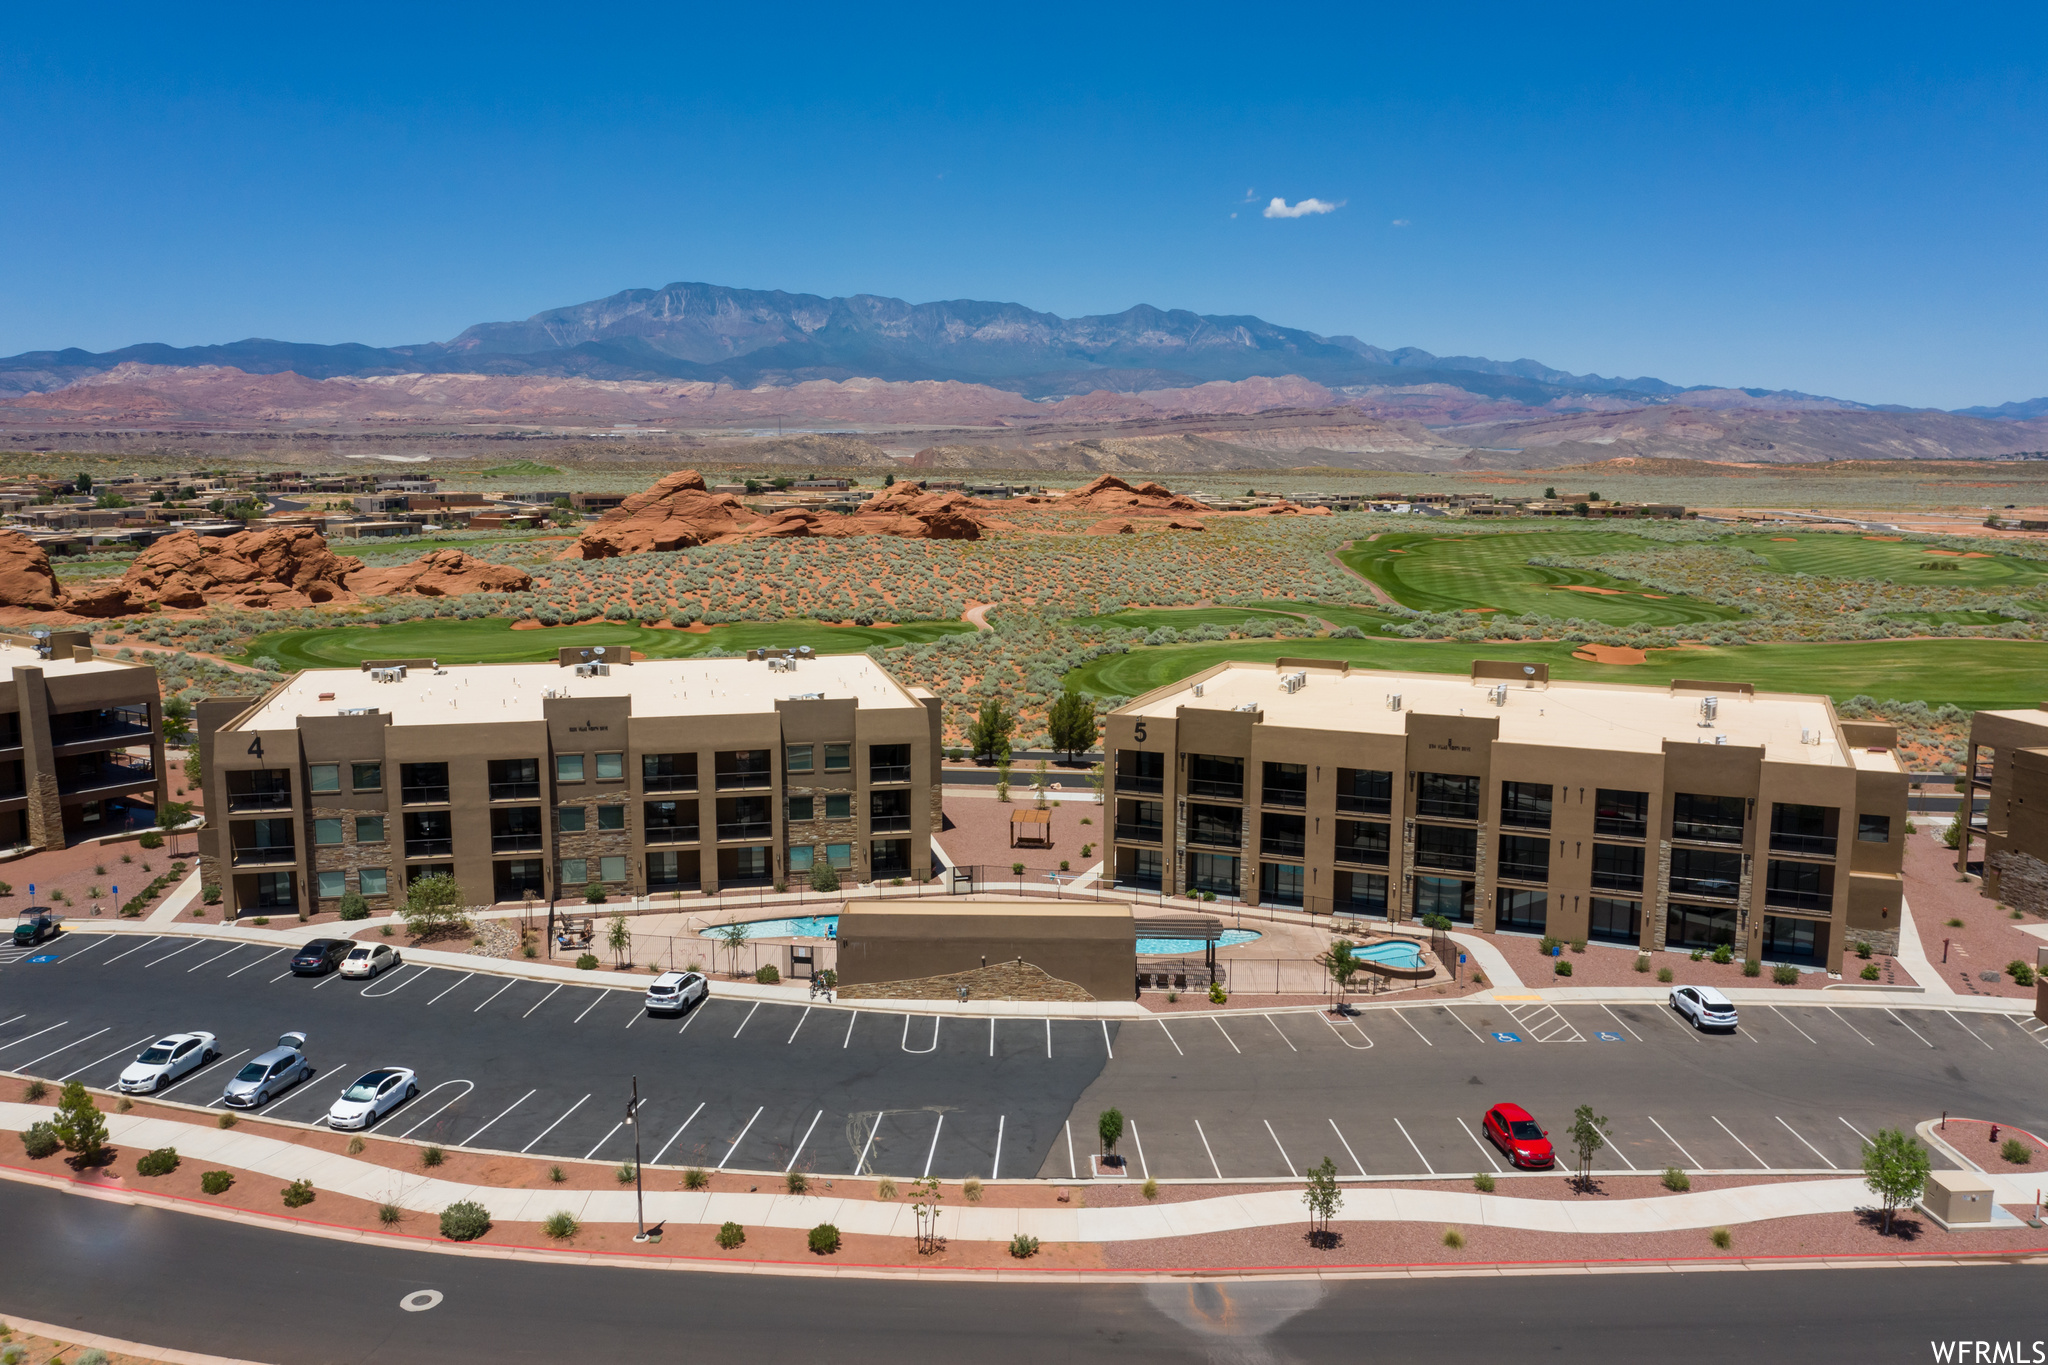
672, 834
1621, 829
1284, 796
741, 780
1282, 847
1701, 832
1438, 809
745, 829
1127, 783
669, 782
1787, 899
259, 800
424, 796
1525, 872
109, 775
1709, 888
888, 824
1364, 805
1140, 833
1361, 854
655, 888
1202, 786
429, 848
1618, 881
265, 857
1518, 819
103, 732
888, 772
515, 791
1213, 837
1811, 845
1445, 861
500, 843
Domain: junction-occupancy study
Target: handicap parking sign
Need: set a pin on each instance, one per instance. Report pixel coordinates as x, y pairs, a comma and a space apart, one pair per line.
1507, 1037
43, 957
1607, 1038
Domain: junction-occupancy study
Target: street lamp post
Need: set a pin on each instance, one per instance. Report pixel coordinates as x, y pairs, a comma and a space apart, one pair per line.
639, 1198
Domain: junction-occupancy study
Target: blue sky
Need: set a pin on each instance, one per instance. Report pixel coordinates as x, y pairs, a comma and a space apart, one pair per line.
1846, 200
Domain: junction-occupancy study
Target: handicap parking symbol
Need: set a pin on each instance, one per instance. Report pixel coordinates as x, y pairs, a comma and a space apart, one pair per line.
1607, 1038
42, 957
1507, 1037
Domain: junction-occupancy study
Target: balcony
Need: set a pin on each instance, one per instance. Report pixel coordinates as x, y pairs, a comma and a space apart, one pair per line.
1280, 846
109, 777
1785, 898
1361, 855
1525, 872
1296, 797
1803, 845
265, 857
742, 781
512, 791
888, 772
500, 843
746, 829
1441, 860
659, 888
888, 824
1140, 833
274, 800
1706, 888
98, 734
671, 834
669, 782
1440, 808
1621, 829
1364, 805
424, 796
1631, 882
436, 848
1702, 832
1212, 836
1203, 786
1149, 786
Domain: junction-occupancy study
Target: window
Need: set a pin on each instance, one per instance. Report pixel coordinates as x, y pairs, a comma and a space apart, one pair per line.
800, 858
1215, 873
1615, 921
1704, 872
1145, 870
1803, 829
797, 758
1361, 893
611, 817
1216, 775
611, 767
327, 831
1699, 926
888, 858
1447, 796
668, 772
1788, 937
1873, 829
332, 885
1625, 815
839, 857
369, 777
1454, 849
888, 762
1709, 819
1618, 867
569, 819
838, 758
369, 830
514, 779
672, 869
1285, 784
1525, 805
799, 807
1137, 771
1284, 836
1799, 886
1365, 791
839, 806
612, 867
423, 783
1523, 911
748, 864
575, 872
374, 881
323, 777
1280, 884
669, 821
568, 767
1363, 841
1450, 897
1213, 825
1524, 859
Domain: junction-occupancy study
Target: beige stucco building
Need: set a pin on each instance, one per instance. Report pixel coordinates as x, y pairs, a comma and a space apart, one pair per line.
81, 738
2014, 851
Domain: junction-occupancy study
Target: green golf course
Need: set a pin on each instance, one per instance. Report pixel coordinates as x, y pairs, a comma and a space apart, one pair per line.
494, 641
1229, 618
1849, 556
1492, 573
1975, 674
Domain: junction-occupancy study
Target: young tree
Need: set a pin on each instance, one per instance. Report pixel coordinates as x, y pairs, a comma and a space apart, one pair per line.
927, 1196
173, 814
83, 483
1096, 779
888, 481
1038, 797
1003, 778
824, 877
619, 938
991, 730
1894, 1167
1342, 965
1109, 1126
79, 1125
1588, 1135
1324, 1199
177, 720
433, 905
1071, 723
732, 935
195, 770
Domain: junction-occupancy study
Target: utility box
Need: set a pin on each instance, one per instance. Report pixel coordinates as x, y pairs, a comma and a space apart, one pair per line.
1957, 1197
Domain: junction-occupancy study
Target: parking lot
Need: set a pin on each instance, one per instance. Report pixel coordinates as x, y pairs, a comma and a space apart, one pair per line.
544, 1068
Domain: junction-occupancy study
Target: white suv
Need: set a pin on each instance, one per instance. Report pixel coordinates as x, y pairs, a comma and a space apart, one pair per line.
1705, 1006
674, 992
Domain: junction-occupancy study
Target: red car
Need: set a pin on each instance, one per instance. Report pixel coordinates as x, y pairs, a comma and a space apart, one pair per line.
1511, 1128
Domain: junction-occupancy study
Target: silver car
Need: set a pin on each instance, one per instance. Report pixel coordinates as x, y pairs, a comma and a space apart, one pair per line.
268, 1075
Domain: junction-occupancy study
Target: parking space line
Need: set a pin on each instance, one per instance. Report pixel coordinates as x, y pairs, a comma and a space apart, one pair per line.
1745, 1146
694, 1012
1849, 1026
1207, 1148
66, 1048
153, 939
1966, 1028
1283, 1033
1283, 1151
596, 999
17, 1018
1352, 1024
1402, 1015
1226, 1035
1105, 1040
996, 1169
1488, 1151
672, 1137
201, 1072
173, 953
437, 1113
211, 960
281, 976
756, 1010
1780, 1012
807, 1014
331, 978
1666, 1013
802, 1140
638, 1015
1411, 1142
417, 973
853, 1017
1461, 1022
917, 1051
608, 1137
1690, 1159
1532, 1019
97, 1060
934, 1149
1909, 1028
1142, 1166
1854, 1129
1347, 1147
1073, 1171
257, 963
1624, 1024
1169, 1035
556, 1124
1048, 1037
2014, 1020
496, 993
302, 1088
37, 1034
501, 1114
741, 1138
860, 1164
97, 940
543, 1000
1809, 1146
991, 1035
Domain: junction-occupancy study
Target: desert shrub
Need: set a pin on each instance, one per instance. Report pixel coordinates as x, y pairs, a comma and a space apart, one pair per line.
432, 1156
561, 1225
1483, 1182
1722, 1239
465, 1220
971, 1189
1862, 949
40, 1140
1217, 995
1785, 975
1023, 1247
353, 906
1562, 966
824, 1239
766, 974
556, 1175
1150, 1189
1676, 1181
1752, 967
298, 1194
356, 1145
1453, 1238
1724, 953
34, 1091
151, 839
1642, 962
389, 1214
731, 1235
696, 1178
227, 1120
162, 1161
2021, 973
796, 1182
1664, 974
2015, 1151
1870, 972
885, 1189
216, 1182
626, 1173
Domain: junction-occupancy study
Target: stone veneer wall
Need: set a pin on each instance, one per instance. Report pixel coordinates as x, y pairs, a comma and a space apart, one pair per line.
594, 843
1004, 981
817, 832
352, 857
2022, 881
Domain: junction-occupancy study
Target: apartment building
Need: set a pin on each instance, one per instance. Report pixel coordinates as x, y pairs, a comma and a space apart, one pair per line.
1667, 817
2014, 851
535, 779
81, 738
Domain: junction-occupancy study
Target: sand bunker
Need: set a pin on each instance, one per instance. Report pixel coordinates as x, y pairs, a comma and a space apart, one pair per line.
1608, 654
1604, 592
1477, 611
1885, 538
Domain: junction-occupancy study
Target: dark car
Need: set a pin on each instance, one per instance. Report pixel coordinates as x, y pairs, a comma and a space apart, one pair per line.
34, 927
320, 957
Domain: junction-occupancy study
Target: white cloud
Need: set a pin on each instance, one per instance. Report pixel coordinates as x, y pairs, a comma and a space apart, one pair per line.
1401, 222
1279, 208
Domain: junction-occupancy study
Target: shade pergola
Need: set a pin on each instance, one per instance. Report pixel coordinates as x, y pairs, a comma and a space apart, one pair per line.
1203, 927
1031, 827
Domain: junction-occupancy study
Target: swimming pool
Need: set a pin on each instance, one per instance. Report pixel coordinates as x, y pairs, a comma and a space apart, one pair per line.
1394, 952
827, 927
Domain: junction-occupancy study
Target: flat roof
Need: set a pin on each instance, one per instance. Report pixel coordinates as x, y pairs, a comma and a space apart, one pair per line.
14, 656
1563, 714
483, 694
952, 907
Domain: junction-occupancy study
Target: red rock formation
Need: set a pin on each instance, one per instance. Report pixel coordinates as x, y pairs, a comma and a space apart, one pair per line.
281, 567
26, 579
676, 513
1115, 526
1108, 493
445, 573
1280, 509
1183, 524
100, 600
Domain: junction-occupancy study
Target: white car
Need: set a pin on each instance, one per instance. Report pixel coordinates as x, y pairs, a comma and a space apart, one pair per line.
1705, 1006
166, 1059
368, 959
674, 992
375, 1094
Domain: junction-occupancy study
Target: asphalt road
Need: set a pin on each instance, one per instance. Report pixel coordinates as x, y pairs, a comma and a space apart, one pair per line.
526, 1066
197, 1284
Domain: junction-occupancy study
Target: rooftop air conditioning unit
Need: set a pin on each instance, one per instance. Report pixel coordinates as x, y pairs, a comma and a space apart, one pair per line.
1498, 694
782, 665
1710, 707
1393, 701
553, 693
1294, 682
1250, 706
807, 696
593, 670
357, 711
1720, 739
388, 675
1198, 689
